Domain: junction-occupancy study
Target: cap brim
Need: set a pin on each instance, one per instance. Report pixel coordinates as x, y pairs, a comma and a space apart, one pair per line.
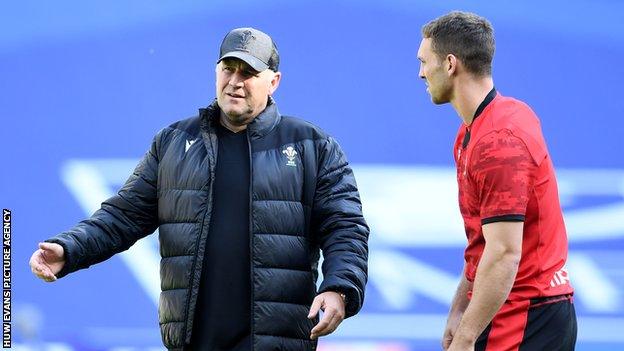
250, 60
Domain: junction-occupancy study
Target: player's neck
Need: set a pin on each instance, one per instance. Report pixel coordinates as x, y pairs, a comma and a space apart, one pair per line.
469, 94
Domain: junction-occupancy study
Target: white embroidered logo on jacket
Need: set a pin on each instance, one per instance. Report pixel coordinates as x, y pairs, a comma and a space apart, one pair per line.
290, 154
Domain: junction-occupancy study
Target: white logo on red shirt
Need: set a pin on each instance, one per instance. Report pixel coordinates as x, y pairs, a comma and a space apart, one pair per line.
560, 278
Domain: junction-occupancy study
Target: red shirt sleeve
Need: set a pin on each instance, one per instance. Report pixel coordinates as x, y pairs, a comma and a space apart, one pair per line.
503, 171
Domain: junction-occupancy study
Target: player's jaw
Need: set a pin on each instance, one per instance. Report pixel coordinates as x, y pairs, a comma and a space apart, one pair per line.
438, 88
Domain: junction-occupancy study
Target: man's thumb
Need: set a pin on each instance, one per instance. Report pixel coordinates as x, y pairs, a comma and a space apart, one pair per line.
316, 306
49, 248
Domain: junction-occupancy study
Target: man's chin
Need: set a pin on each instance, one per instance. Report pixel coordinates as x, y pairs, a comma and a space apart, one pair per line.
237, 118
438, 101
235, 114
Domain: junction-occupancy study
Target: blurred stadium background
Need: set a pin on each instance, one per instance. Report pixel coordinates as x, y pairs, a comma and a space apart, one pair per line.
85, 85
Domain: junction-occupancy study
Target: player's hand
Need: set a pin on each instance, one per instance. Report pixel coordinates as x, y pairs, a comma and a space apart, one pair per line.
333, 306
46, 262
449, 331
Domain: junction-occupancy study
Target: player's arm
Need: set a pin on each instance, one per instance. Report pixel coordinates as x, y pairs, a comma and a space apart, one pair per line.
458, 307
494, 278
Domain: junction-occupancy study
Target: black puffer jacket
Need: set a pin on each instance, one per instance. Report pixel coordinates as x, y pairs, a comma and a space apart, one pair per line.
303, 197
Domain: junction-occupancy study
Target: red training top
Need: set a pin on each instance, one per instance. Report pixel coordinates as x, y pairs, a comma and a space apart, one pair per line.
504, 173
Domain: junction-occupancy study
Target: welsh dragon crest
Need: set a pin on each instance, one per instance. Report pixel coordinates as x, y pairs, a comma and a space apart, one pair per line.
246, 38
291, 154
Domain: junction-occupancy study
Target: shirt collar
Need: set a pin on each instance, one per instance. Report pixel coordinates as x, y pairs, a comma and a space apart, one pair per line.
490, 96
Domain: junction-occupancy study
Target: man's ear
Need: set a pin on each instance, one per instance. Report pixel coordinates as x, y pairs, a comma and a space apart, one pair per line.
277, 76
451, 64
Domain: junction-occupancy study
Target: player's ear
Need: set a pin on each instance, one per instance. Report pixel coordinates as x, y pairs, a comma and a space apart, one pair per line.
451, 64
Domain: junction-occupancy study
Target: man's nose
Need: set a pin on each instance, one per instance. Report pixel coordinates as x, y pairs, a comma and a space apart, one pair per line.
421, 74
236, 80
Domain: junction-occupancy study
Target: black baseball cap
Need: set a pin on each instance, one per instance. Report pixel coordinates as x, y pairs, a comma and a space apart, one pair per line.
252, 46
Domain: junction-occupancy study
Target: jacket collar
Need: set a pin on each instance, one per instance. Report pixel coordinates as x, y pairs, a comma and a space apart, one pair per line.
262, 125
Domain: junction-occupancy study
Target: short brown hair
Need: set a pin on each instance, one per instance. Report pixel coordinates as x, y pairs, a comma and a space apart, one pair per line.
465, 35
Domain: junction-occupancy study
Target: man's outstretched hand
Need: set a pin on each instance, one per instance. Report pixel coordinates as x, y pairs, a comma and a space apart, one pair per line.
333, 306
46, 262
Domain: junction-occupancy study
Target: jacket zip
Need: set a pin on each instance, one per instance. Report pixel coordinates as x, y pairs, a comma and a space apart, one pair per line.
208, 210
251, 265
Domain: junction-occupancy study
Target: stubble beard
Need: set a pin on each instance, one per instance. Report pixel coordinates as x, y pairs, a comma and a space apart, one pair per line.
443, 96
237, 119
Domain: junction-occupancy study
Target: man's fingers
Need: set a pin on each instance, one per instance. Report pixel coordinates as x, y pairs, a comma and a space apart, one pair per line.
324, 326
316, 306
39, 269
50, 251
330, 328
50, 279
46, 246
324, 322
42, 272
335, 322
333, 316
316, 331
47, 275
35, 271
41, 275
35, 262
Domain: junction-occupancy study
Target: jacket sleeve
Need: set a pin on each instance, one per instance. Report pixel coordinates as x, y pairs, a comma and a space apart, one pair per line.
120, 222
340, 227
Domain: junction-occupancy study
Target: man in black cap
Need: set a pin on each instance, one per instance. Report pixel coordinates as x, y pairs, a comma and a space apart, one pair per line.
244, 198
